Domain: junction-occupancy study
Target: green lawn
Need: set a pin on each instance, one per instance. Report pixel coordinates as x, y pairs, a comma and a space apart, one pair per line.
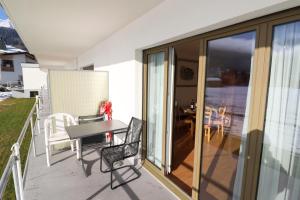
13, 114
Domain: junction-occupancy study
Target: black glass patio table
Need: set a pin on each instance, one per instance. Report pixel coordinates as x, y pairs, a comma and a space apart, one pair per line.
93, 129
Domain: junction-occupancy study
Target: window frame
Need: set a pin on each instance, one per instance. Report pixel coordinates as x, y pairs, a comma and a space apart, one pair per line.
263, 27
4, 67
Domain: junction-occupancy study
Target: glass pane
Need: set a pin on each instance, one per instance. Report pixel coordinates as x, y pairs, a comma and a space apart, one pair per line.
227, 96
280, 164
155, 107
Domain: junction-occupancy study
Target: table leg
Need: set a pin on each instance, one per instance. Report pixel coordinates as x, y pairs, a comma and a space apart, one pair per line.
79, 155
78, 148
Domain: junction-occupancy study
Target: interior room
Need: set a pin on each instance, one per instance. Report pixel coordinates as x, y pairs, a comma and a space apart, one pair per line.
228, 70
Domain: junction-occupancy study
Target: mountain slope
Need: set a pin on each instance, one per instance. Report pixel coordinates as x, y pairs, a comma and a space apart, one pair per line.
11, 37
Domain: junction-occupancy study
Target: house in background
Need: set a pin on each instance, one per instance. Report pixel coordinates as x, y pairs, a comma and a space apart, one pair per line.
34, 78
20, 72
10, 62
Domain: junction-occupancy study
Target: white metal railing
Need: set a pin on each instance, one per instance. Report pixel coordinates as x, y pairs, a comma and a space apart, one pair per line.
14, 162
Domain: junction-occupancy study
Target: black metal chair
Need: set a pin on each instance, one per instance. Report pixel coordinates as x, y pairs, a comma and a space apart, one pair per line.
129, 148
91, 142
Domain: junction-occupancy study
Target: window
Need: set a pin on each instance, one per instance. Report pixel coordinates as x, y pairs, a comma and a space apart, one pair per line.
7, 66
247, 136
280, 164
227, 103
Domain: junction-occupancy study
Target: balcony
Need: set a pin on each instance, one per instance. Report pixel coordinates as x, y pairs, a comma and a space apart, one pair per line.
65, 178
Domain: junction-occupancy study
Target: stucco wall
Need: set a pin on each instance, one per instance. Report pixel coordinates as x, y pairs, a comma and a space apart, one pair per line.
13, 76
121, 53
33, 77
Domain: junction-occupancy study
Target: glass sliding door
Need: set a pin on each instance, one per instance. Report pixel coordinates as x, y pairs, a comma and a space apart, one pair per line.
155, 106
227, 104
280, 163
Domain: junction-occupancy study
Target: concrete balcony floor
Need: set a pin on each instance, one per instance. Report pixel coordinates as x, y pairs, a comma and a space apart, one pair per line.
65, 178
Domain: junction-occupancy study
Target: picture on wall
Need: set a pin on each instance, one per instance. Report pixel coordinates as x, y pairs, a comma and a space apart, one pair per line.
186, 73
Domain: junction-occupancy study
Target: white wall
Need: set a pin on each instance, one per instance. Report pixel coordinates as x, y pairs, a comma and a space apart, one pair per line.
13, 76
33, 77
124, 90
121, 53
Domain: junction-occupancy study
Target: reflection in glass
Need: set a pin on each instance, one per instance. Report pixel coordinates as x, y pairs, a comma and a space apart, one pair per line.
227, 96
280, 164
155, 107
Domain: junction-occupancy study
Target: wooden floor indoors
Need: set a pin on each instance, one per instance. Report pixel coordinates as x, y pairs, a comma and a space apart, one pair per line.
183, 160
219, 164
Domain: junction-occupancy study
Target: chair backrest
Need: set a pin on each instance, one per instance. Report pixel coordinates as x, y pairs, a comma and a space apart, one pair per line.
133, 135
57, 122
207, 115
222, 111
134, 130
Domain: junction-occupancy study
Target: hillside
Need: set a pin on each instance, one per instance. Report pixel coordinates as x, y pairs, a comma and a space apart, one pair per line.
11, 37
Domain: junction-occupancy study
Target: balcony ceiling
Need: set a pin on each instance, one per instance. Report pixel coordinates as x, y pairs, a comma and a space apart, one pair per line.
57, 31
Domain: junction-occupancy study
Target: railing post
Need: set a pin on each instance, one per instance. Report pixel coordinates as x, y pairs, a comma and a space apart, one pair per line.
39, 100
38, 117
17, 172
16, 179
33, 136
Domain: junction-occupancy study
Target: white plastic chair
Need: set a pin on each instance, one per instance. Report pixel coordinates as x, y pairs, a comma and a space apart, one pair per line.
55, 132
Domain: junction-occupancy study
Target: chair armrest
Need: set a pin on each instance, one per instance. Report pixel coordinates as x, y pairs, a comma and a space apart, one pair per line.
119, 145
121, 131
132, 143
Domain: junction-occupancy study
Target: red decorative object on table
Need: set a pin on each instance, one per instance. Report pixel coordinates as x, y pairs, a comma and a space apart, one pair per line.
106, 109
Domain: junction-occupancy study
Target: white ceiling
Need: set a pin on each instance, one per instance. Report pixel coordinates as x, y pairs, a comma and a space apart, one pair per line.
63, 29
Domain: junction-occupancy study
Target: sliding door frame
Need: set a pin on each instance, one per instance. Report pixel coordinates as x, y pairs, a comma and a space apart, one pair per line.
158, 172
265, 79
259, 88
201, 91
145, 105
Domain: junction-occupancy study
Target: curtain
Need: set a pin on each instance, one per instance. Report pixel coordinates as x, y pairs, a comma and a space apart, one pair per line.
171, 76
280, 164
155, 107
171, 82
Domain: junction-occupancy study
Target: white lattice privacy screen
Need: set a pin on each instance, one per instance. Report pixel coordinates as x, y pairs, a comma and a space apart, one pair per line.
77, 92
